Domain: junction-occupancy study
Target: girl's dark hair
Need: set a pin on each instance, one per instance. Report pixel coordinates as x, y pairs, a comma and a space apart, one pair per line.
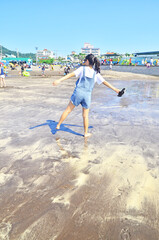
93, 61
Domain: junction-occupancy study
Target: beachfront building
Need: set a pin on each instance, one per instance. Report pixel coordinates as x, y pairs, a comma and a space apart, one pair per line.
88, 48
143, 58
2, 56
110, 56
9, 56
44, 54
153, 54
74, 57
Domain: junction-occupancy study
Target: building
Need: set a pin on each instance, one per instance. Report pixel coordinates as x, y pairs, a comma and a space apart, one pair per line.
9, 56
153, 54
44, 54
111, 55
88, 48
142, 58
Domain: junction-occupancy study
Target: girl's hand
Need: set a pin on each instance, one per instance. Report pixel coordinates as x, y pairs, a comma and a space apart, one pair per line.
121, 92
55, 83
117, 90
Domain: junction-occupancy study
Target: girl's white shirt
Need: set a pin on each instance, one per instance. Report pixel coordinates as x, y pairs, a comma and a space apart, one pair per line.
89, 72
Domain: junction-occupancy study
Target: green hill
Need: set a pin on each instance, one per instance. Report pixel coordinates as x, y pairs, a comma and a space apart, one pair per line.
22, 55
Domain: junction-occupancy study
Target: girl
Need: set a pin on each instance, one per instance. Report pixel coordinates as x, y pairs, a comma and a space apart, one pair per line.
2, 77
83, 90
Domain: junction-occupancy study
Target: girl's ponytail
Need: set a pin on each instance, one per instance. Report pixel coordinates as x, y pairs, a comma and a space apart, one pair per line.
93, 61
97, 65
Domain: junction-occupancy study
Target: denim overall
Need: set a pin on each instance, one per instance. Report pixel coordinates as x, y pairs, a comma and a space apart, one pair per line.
83, 91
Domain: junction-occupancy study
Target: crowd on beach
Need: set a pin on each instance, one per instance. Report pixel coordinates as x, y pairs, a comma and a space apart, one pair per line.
25, 68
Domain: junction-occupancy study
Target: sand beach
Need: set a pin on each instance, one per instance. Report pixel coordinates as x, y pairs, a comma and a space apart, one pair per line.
56, 185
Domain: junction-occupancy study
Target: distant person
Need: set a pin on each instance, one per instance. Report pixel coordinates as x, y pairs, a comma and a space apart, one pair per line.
2, 77
151, 61
156, 62
12, 67
66, 70
43, 70
130, 61
22, 70
88, 76
143, 62
110, 64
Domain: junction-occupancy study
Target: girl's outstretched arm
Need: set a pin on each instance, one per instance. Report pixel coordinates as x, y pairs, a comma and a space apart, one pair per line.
63, 78
110, 86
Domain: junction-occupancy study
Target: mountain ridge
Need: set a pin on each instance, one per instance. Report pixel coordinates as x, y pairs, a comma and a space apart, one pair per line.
22, 55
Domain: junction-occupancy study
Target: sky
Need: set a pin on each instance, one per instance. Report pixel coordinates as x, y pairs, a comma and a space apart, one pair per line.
63, 26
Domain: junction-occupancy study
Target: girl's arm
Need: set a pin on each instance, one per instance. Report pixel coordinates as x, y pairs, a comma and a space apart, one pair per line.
110, 86
63, 78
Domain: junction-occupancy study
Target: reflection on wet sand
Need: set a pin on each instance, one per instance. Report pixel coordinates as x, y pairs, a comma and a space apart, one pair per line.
58, 185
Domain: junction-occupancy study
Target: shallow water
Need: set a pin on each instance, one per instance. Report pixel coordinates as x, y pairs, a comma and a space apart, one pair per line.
154, 71
58, 185
140, 103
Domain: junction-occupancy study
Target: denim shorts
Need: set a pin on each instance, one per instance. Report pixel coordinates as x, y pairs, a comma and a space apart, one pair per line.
81, 97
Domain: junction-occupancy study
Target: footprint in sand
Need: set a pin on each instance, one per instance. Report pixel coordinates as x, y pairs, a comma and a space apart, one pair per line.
125, 234
5, 229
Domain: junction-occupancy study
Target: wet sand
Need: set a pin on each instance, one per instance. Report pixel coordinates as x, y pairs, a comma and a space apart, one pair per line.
57, 185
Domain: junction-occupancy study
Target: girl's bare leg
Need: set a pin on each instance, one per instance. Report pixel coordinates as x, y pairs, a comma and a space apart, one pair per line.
86, 122
4, 83
69, 109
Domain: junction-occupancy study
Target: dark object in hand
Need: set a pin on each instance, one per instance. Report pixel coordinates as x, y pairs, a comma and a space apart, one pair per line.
121, 92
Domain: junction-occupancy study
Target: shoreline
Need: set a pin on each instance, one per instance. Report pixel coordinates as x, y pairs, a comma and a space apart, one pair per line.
152, 71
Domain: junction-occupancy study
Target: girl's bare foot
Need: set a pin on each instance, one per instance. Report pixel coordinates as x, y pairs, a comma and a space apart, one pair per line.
87, 135
58, 126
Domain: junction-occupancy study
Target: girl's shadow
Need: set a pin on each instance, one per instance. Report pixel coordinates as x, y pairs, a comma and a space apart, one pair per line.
52, 124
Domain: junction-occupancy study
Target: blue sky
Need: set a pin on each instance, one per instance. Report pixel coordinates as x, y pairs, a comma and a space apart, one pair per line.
118, 25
